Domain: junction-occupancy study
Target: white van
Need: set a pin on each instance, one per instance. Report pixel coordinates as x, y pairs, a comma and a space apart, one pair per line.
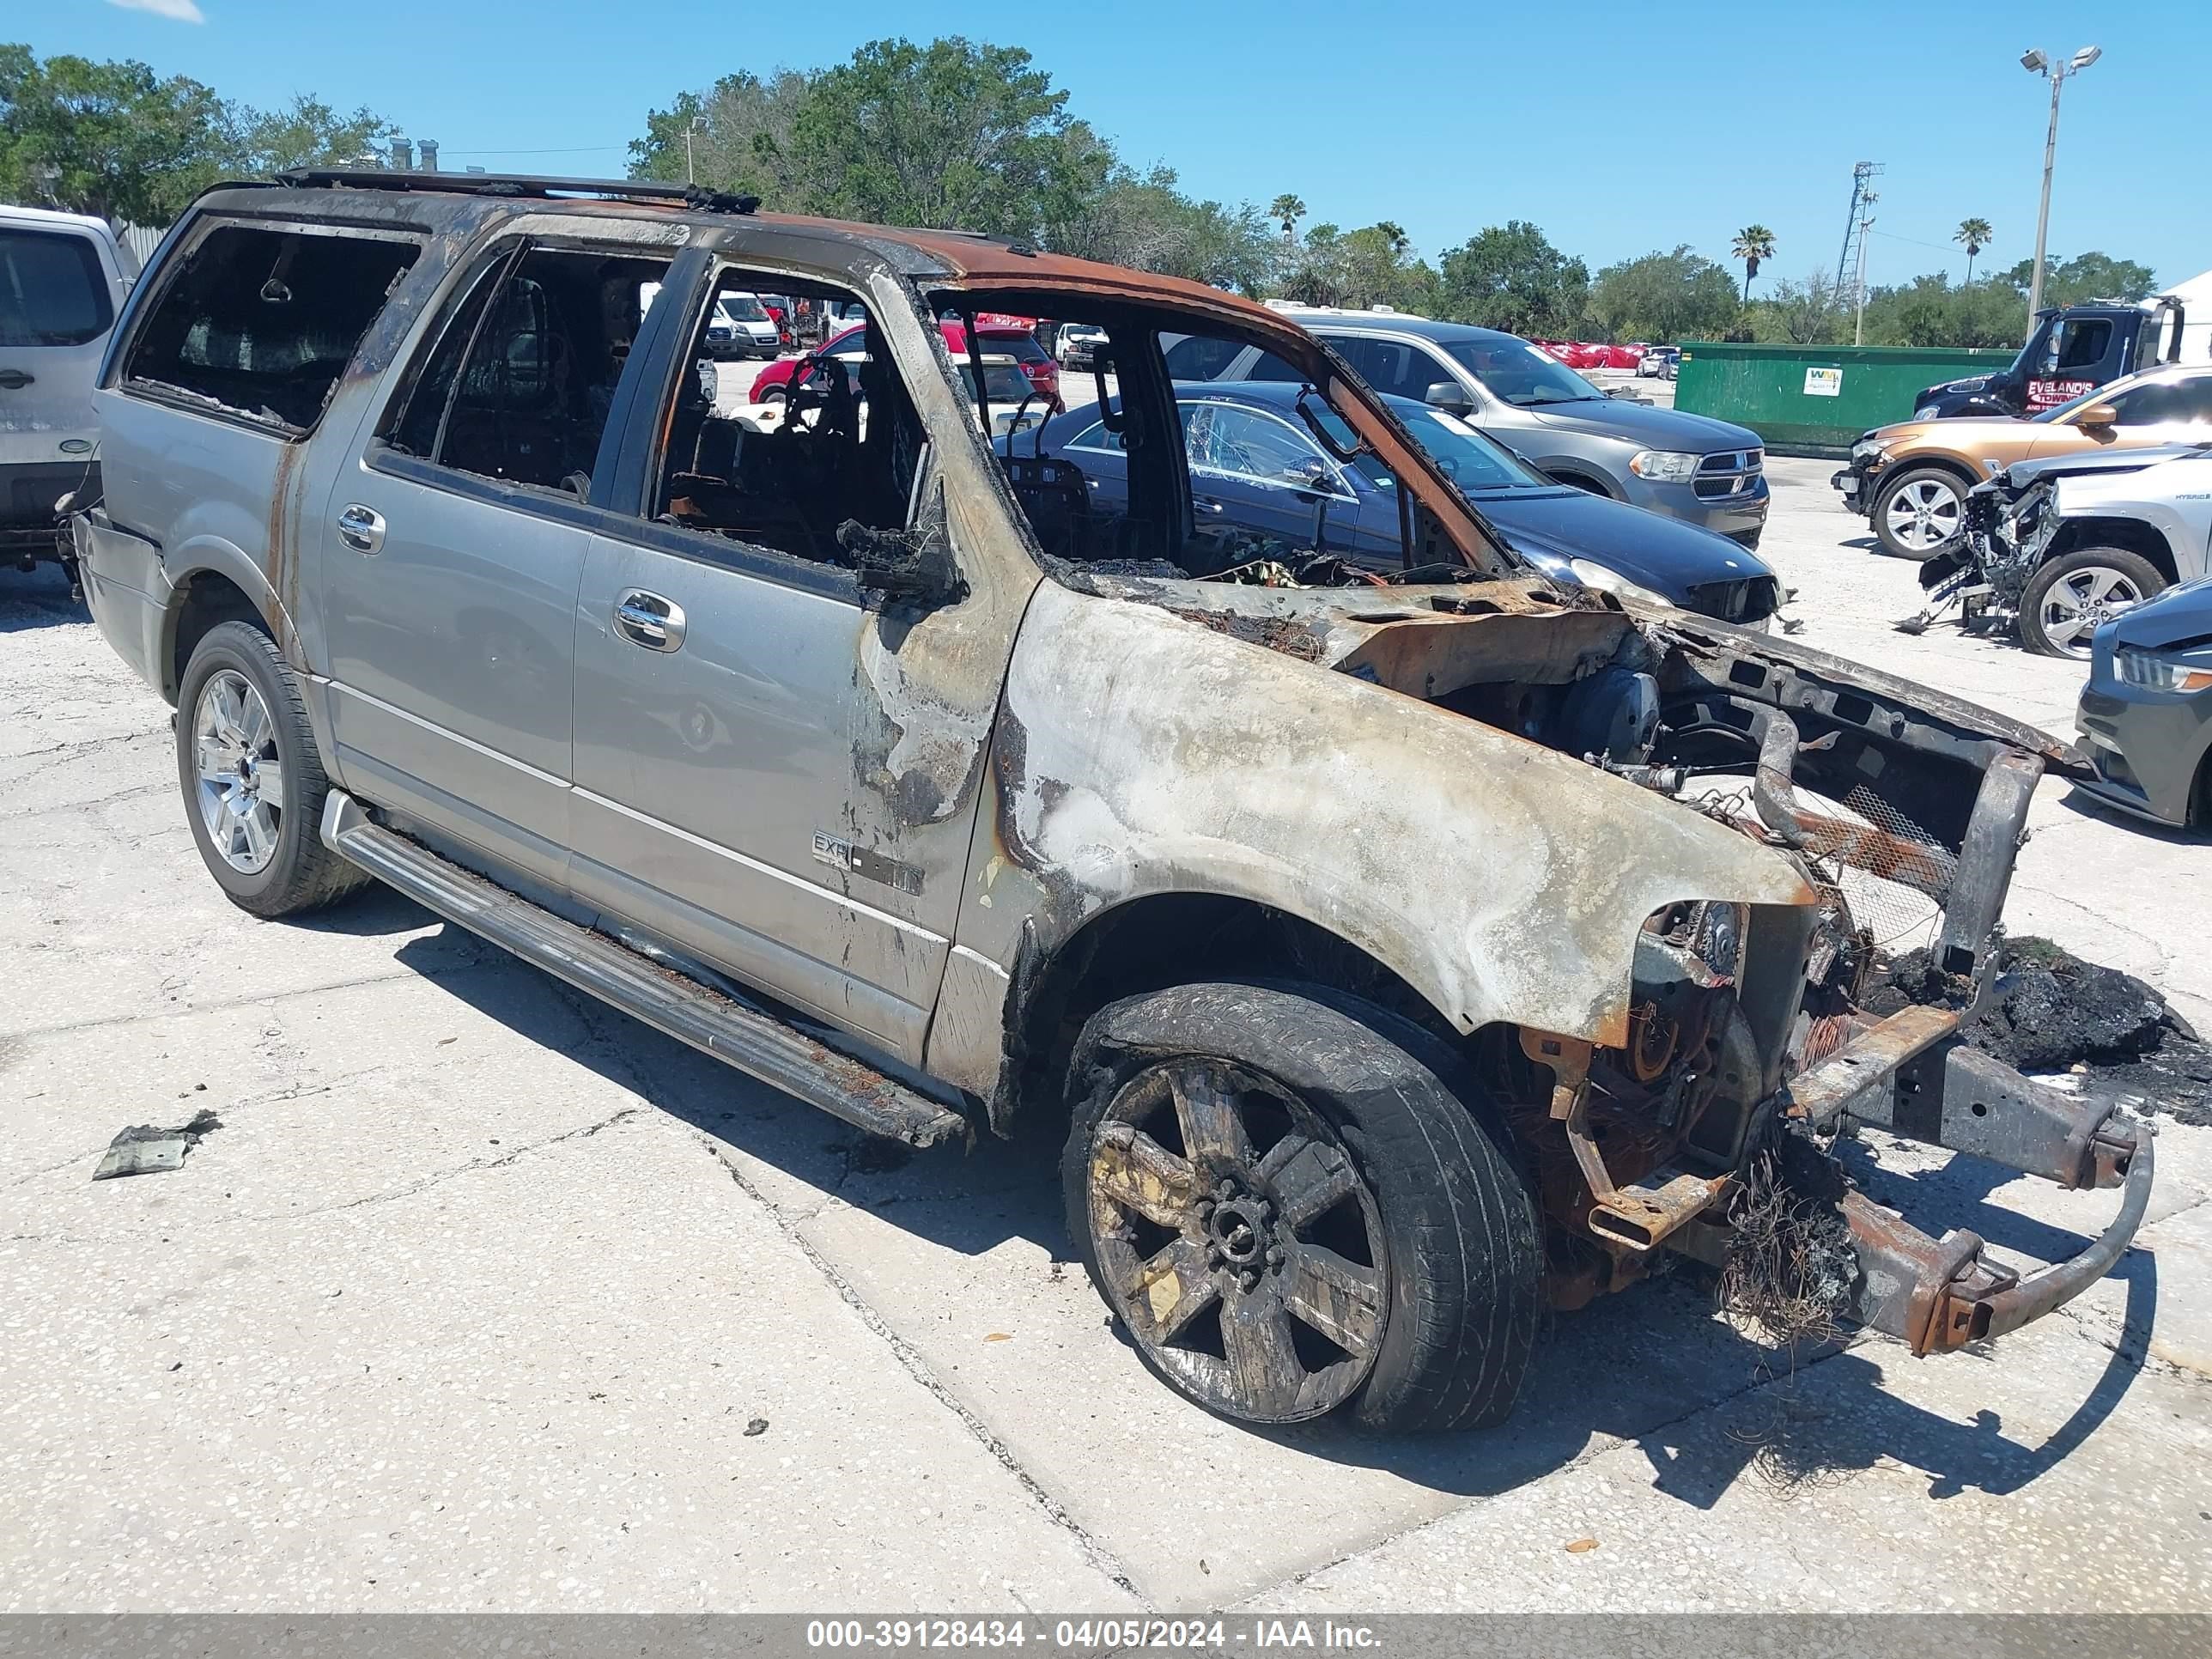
63, 279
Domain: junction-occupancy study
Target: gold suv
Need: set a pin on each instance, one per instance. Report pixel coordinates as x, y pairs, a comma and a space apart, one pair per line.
1911, 479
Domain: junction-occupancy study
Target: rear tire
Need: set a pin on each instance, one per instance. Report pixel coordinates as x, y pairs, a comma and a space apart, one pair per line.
1295, 1205
253, 779
2068, 596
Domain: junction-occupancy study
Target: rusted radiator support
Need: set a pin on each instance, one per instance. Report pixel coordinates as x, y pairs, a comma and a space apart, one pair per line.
1918, 865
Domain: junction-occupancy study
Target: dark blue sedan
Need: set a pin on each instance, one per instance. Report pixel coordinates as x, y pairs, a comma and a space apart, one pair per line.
1255, 466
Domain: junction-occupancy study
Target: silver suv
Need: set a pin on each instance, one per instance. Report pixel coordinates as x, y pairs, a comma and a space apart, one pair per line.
63, 278
1690, 467
1359, 932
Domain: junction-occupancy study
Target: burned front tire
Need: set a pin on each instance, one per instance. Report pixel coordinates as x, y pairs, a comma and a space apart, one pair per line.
252, 778
1295, 1204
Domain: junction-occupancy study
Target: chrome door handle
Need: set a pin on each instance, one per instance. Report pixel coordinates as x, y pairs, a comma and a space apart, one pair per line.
1201, 504
362, 528
648, 620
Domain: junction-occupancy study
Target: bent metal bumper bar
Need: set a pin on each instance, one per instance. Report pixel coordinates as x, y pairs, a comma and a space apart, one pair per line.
1910, 1075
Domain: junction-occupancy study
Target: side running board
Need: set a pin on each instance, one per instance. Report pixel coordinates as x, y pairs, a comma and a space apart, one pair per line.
747, 1038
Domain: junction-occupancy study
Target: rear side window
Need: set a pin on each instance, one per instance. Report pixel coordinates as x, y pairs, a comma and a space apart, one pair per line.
522, 378
264, 322
53, 291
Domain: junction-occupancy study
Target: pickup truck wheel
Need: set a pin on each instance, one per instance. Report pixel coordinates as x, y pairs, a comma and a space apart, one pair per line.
253, 782
1293, 1204
2069, 598
1918, 513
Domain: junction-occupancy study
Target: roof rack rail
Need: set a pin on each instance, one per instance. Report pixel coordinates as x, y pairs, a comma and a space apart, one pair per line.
517, 184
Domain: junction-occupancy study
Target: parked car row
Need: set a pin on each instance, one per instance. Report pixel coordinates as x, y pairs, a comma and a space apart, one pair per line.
1911, 480
1258, 463
1005, 337
1706, 472
1350, 920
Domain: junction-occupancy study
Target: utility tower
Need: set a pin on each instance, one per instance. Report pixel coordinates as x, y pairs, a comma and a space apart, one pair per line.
1855, 226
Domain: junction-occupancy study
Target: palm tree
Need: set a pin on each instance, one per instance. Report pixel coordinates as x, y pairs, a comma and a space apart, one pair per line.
1754, 245
1287, 210
1975, 234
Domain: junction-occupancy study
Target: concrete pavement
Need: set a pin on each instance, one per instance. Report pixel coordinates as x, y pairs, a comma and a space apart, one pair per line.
472, 1300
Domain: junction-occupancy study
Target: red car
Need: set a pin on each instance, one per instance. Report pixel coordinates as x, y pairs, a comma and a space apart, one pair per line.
851, 345
1007, 335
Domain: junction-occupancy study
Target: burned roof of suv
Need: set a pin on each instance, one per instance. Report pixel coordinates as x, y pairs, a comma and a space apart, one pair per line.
448, 201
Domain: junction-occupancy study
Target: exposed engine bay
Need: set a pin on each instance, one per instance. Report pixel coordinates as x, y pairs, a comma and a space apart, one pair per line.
1900, 808
1885, 809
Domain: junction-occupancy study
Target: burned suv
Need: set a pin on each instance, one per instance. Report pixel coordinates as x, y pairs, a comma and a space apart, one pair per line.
1382, 941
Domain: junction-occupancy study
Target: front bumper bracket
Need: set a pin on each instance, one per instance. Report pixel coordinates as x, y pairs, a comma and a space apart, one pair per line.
1910, 1075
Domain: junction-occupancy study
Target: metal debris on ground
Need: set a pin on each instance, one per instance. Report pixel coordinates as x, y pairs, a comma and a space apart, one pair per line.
143, 1149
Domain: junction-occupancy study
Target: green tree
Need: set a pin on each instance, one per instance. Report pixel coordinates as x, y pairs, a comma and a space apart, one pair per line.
739, 136
2085, 276
1286, 210
1144, 221
949, 136
106, 138
1754, 245
1509, 277
1664, 297
1928, 311
1807, 313
306, 133
1973, 236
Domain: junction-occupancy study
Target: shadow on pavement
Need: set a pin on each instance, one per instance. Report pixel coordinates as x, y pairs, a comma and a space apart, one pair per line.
38, 598
1647, 1366
2083, 804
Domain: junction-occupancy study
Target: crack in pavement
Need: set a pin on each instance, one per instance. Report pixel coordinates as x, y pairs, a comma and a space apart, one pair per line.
593, 1013
911, 1360
275, 1097
440, 1177
249, 999
1604, 1446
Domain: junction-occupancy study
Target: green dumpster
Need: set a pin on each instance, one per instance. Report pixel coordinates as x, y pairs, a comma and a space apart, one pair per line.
1815, 400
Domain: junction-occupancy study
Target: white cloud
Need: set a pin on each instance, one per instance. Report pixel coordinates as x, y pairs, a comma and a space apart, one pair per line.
176, 11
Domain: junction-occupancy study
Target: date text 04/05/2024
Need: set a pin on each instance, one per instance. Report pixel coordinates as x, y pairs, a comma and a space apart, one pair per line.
1090, 1635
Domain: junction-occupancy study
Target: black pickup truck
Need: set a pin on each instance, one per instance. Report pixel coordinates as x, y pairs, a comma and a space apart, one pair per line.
2072, 350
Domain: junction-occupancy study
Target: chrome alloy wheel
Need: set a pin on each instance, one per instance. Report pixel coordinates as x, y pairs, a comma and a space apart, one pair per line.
1238, 1241
2083, 601
240, 790
1924, 515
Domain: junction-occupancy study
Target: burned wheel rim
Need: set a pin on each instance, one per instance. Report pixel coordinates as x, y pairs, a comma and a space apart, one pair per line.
1238, 1241
1923, 514
238, 777
2079, 603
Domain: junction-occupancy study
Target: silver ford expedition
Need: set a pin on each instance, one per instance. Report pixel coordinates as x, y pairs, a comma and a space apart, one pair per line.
1389, 974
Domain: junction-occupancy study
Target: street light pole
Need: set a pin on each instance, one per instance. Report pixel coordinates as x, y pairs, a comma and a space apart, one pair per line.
1858, 327
691, 176
2058, 68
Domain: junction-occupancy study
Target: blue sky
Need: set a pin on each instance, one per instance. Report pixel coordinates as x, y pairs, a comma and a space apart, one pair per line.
1616, 128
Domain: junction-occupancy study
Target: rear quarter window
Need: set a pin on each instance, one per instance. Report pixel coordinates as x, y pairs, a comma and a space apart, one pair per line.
263, 322
53, 291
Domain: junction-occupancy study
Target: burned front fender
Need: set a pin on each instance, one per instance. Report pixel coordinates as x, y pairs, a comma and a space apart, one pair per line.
1138, 752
